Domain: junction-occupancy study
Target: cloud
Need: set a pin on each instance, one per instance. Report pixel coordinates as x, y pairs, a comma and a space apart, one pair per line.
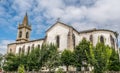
3, 45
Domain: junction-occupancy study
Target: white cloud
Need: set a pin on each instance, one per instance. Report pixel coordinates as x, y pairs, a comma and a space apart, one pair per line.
3, 45
81, 14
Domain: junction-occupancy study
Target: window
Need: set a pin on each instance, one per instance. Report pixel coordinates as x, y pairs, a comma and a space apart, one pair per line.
19, 51
38, 46
27, 35
73, 37
20, 34
32, 46
112, 41
28, 49
10, 50
101, 39
23, 49
91, 38
58, 41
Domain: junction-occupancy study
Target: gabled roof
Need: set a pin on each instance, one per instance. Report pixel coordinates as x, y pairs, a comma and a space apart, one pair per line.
62, 24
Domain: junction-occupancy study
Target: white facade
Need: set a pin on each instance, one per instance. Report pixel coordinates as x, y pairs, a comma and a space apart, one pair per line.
62, 30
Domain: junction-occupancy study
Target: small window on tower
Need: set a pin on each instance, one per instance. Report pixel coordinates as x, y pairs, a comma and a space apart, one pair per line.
20, 34
27, 35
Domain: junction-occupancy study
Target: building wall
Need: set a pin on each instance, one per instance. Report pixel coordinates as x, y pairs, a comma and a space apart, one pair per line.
28, 44
62, 31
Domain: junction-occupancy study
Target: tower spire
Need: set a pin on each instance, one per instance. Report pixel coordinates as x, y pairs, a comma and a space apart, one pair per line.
25, 20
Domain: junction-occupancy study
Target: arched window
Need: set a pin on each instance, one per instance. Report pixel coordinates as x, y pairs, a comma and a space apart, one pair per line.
73, 37
38, 46
91, 38
19, 51
27, 34
32, 47
20, 34
10, 50
23, 49
58, 41
101, 39
28, 49
112, 41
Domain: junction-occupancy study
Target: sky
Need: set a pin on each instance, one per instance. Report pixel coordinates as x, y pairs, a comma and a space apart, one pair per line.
81, 14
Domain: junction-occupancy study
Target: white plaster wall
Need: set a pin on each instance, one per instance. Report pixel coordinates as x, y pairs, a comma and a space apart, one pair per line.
60, 30
36, 43
96, 35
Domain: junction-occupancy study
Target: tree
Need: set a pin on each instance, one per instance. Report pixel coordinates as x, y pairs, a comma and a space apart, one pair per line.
1, 58
21, 69
53, 58
80, 54
67, 58
99, 57
114, 61
11, 62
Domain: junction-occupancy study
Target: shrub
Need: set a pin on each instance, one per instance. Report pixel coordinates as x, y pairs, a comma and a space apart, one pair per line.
21, 69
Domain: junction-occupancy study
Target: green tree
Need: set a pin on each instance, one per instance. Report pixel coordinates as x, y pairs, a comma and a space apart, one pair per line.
99, 57
21, 69
11, 62
1, 58
53, 58
80, 54
67, 58
114, 61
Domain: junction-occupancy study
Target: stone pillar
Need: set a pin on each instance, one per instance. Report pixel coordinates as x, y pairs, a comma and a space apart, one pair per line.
70, 39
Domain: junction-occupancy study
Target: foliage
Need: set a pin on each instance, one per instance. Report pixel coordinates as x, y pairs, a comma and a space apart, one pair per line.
47, 56
53, 58
99, 57
60, 70
11, 62
67, 58
21, 69
80, 53
114, 61
1, 57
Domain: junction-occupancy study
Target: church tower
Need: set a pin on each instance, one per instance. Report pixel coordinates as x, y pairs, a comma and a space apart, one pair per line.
24, 30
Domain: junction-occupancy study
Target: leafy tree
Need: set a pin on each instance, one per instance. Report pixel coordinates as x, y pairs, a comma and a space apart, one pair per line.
1, 57
67, 58
21, 69
53, 58
80, 53
99, 57
114, 61
11, 62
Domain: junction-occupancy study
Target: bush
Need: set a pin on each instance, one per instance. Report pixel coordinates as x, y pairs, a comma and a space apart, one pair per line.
21, 69
60, 70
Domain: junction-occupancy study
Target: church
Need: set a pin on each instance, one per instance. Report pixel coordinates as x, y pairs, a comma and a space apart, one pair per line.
61, 34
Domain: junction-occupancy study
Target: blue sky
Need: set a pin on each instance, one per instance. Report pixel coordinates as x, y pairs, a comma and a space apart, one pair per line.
81, 14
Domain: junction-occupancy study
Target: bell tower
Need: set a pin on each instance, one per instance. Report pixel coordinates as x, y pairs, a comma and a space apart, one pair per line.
24, 30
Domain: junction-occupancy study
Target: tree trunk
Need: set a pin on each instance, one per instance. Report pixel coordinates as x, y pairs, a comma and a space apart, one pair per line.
67, 68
